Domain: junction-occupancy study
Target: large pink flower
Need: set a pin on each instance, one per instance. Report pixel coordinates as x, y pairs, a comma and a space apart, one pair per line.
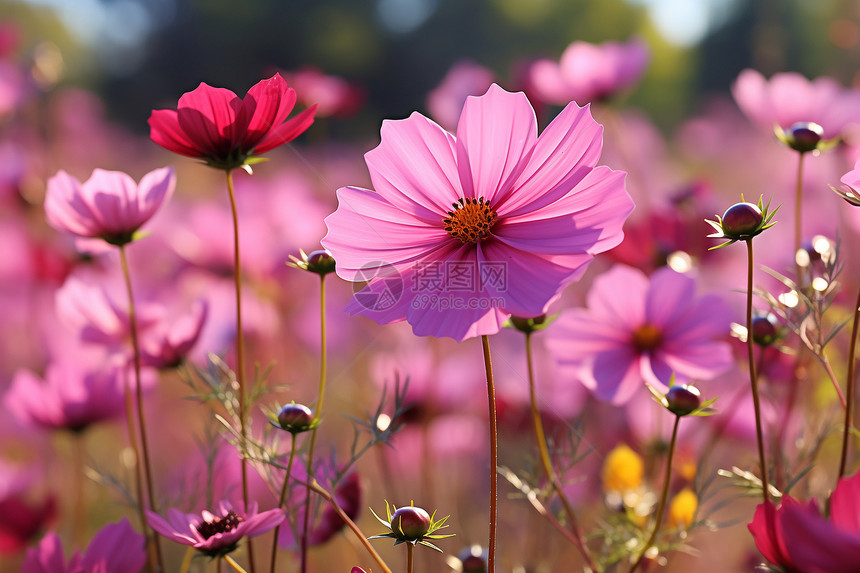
462, 231
218, 126
638, 329
109, 205
214, 533
588, 72
797, 538
788, 98
117, 548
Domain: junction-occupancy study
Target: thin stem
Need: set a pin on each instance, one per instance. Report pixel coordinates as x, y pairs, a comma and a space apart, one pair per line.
832, 375
138, 482
283, 498
494, 455
410, 557
362, 538
141, 419
80, 505
240, 346
232, 562
663, 496
186, 561
850, 388
547, 461
317, 415
798, 212
218, 564
753, 376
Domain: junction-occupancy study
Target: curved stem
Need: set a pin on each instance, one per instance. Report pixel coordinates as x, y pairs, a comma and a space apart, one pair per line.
798, 209
240, 346
494, 455
765, 484
547, 461
141, 419
316, 488
832, 375
849, 405
410, 557
663, 496
283, 498
317, 415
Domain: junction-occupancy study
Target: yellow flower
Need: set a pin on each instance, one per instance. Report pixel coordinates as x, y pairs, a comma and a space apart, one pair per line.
622, 470
682, 508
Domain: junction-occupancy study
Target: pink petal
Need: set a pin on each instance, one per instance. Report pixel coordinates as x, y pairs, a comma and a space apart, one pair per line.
164, 129
266, 106
415, 168
617, 297
548, 83
669, 296
287, 131
614, 375
702, 361
65, 208
113, 195
564, 153
576, 335
117, 548
815, 545
262, 522
845, 505
155, 188
207, 116
367, 231
175, 530
495, 139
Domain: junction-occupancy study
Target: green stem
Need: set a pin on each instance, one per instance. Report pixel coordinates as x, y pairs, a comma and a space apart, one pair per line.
410, 557
240, 346
141, 419
232, 562
547, 461
663, 496
798, 212
283, 498
849, 402
362, 538
317, 416
765, 484
494, 455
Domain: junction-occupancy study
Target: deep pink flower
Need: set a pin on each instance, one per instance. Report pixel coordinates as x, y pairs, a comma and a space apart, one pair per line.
109, 205
168, 343
68, 398
332, 95
214, 533
638, 329
116, 548
788, 98
216, 125
21, 517
462, 231
796, 537
588, 72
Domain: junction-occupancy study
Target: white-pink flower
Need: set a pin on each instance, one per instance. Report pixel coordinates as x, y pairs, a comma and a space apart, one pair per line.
462, 231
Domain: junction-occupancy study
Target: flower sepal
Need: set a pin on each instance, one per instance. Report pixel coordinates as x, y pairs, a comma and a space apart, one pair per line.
682, 400
529, 325
805, 136
412, 532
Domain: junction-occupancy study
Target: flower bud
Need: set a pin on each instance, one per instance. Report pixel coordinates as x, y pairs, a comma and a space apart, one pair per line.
410, 523
295, 418
765, 330
804, 136
682, 400
741, 220
321, 262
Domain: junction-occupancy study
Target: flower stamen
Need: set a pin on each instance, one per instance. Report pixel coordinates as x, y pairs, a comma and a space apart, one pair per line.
471, 220
647, 337
219, 525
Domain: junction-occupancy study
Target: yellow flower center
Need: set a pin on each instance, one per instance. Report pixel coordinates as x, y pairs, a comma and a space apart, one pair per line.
682, 508
622, 470
647, 337
471, 220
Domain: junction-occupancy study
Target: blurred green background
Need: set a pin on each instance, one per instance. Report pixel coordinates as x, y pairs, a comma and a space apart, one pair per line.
143, 54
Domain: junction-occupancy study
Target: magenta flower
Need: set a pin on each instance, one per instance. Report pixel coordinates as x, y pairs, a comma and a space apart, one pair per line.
462, 231
588, 72
214, 533
332, 95
788, 98
68, 398
797, 538
21, 516
109, 205
116, 548
215, 125
638, 329
167, 343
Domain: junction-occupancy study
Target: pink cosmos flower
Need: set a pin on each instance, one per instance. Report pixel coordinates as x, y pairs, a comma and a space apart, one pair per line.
21, 517
588, 72
109, 205
214, 533
116, 548
797, 538
789, 97
462, 231
215, 125
333, 96
168, 343
638, 329
68, 398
